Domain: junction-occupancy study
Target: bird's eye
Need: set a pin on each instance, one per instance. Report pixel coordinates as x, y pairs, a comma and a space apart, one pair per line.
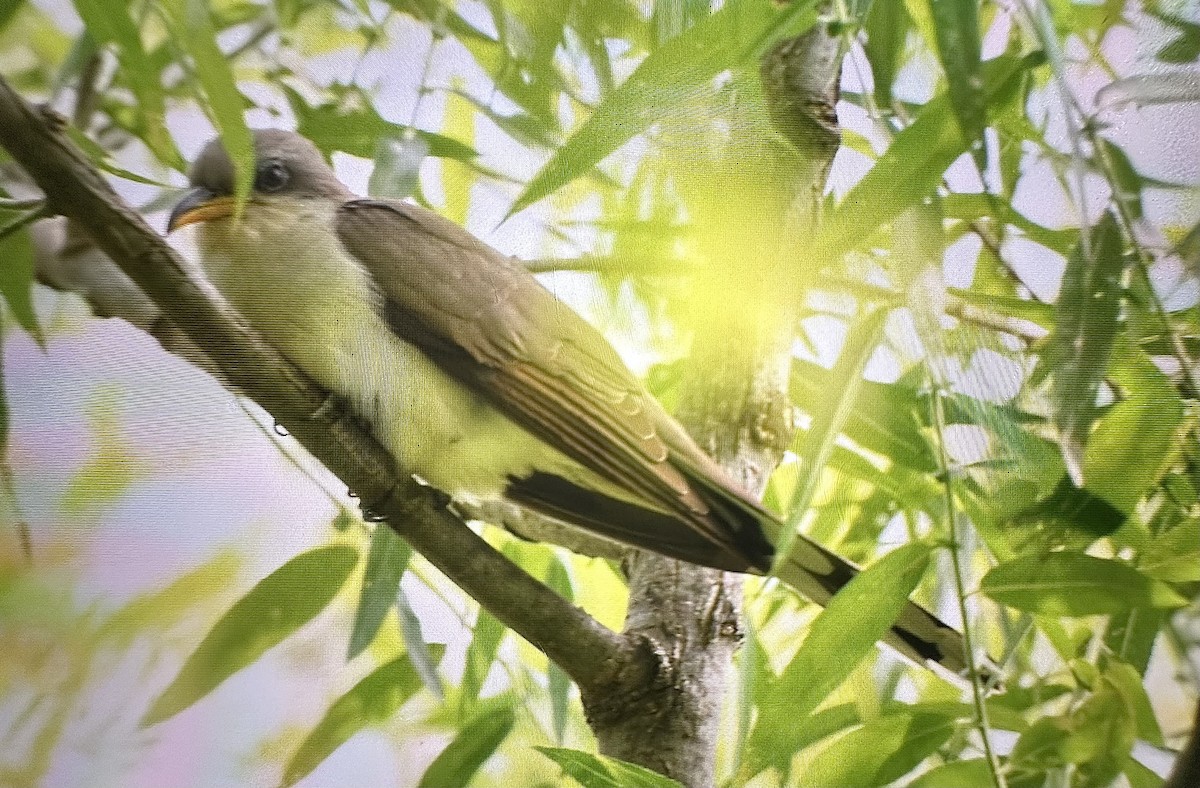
272, 176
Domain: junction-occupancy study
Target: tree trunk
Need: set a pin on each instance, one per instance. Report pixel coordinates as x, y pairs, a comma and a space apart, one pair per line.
665, 712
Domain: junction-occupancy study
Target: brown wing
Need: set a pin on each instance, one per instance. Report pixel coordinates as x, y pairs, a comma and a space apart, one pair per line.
489, 323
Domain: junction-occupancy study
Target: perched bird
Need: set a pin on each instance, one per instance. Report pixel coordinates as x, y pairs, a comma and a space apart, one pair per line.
476, 377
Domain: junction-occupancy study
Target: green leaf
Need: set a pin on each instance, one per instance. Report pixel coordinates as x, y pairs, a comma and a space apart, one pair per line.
1139, 437
1174, 555
911, 168
194, 32
887, 25
732, 37
598, 771
371, 701
1075, 584
974, 773
420, 654
171, 603
879, 752
456, 765
387, 560
829, 414
280, 604
1086, 323
843, 633
488, 632
956, 27
355, 127
16, 279
8, 8
109, 22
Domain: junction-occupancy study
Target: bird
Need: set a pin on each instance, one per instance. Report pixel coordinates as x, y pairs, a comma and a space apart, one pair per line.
477, 379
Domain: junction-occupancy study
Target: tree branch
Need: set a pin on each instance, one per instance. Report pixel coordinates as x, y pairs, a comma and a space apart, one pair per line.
582, 647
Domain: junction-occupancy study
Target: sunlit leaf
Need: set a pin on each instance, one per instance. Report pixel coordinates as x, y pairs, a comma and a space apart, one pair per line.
879, 752
111, 23
194, 32
387, 559
957, 774
842, 634
1145, 90
829, 414
355, 127
733, 36
887, 25
1138, 438
371, 701
487, 634
280, 604
1074, 584
1086, 323
911, 168
956, 27
476, 741
598, 771
172, 602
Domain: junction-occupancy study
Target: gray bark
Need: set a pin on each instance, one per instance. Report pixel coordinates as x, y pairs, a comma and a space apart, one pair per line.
666, 714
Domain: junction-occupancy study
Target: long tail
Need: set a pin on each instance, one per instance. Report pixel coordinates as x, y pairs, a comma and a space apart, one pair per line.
921, 636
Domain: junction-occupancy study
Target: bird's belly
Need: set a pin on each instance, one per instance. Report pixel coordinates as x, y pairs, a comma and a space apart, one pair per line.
319, 309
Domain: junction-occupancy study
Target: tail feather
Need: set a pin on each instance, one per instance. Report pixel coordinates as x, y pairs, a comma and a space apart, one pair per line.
918, 634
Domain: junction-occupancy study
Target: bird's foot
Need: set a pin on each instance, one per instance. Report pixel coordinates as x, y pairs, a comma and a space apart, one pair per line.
410, 491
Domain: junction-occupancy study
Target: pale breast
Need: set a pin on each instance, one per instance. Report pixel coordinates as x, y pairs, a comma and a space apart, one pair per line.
286, 272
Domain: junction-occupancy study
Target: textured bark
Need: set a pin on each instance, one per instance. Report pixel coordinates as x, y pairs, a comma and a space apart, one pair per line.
666, 715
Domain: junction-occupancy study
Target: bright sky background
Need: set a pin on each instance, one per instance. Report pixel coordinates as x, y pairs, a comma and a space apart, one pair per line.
206, 479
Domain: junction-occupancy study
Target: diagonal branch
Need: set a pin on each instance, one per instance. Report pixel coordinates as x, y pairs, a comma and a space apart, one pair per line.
586, 650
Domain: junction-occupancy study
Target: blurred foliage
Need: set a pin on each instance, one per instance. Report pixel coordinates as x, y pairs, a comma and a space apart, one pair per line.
945, 370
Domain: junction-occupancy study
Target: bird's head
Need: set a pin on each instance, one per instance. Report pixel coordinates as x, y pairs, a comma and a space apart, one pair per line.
287, 167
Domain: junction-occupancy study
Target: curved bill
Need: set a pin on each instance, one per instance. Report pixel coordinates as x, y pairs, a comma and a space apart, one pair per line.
200, 205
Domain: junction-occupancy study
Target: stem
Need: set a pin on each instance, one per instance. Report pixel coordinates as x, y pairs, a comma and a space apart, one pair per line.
981, 714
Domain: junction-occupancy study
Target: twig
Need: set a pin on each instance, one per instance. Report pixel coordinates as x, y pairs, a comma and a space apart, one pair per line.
585, 649
981, 713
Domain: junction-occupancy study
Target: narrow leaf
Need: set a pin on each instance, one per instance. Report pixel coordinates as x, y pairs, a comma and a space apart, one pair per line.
194, 31
1075, 584
387, 560
16, 279
420, 653
956, 26
887, 25
841, 635
733, 36
958, 774
371, 701
911, 168
880, 752
485, 643
829, 415
280, 604
475, 743
1086, 323
110, 22
598, 771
